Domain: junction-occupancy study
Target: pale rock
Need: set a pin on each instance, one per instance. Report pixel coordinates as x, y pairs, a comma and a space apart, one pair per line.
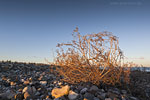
133, 98
12, 84
29, 89
22, 80
43, 82
59, 83
108, 99
58, 92
83, 90
26, 89
72, 95
123, 91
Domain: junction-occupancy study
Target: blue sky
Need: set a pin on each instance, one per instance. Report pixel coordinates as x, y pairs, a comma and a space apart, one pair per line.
31, 29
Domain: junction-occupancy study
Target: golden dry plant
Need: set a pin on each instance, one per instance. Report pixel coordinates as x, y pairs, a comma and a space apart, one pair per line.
91, 58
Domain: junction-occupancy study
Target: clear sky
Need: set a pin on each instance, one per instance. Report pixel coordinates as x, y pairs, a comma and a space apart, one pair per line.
31, 29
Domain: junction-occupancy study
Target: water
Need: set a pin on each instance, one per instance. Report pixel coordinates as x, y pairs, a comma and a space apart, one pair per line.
147, 69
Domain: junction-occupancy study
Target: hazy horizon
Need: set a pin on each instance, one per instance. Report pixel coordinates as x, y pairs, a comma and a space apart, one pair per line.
31, 29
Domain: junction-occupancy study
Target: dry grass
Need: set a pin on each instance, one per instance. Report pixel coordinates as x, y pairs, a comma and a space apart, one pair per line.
92, 58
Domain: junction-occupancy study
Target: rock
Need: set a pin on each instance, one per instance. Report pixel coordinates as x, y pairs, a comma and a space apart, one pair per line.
40, 78
7, 95
10, 94
95, 98
102, 90
59, 83
12, 83
26, 89
3, 96
83, 90
93, 88
43, 82
29, 89
37, 93
20, 90
102, 96
58, 92
116, 99
112, 95
88, 96
33, 89
108, 99
60, 98
19, 96
123, 91
72, 95
5, 84
133, 98
48, 99
123, 98
116, 91
27, 95
26, 82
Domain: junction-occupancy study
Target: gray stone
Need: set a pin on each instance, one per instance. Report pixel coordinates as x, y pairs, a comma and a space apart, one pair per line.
83, 90
123, 91
89, 96
102, 96
95, 98
112, 95
37, 93
7, 95
133, 98
94, 88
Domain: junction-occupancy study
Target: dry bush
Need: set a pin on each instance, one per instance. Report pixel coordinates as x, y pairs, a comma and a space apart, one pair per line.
91, 58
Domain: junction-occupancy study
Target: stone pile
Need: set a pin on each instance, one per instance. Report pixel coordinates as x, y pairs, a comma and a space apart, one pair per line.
21, 81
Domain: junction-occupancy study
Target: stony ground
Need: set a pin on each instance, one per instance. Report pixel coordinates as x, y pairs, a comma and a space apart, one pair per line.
21, 81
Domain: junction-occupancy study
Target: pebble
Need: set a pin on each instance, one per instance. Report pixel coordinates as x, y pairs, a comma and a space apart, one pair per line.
108, 99
22, 81
94, 88
72, 95
43, 82
88, 96
27, 95
58, 92
83, 90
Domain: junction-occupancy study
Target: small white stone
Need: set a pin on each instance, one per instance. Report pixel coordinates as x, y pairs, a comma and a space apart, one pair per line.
43, 82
